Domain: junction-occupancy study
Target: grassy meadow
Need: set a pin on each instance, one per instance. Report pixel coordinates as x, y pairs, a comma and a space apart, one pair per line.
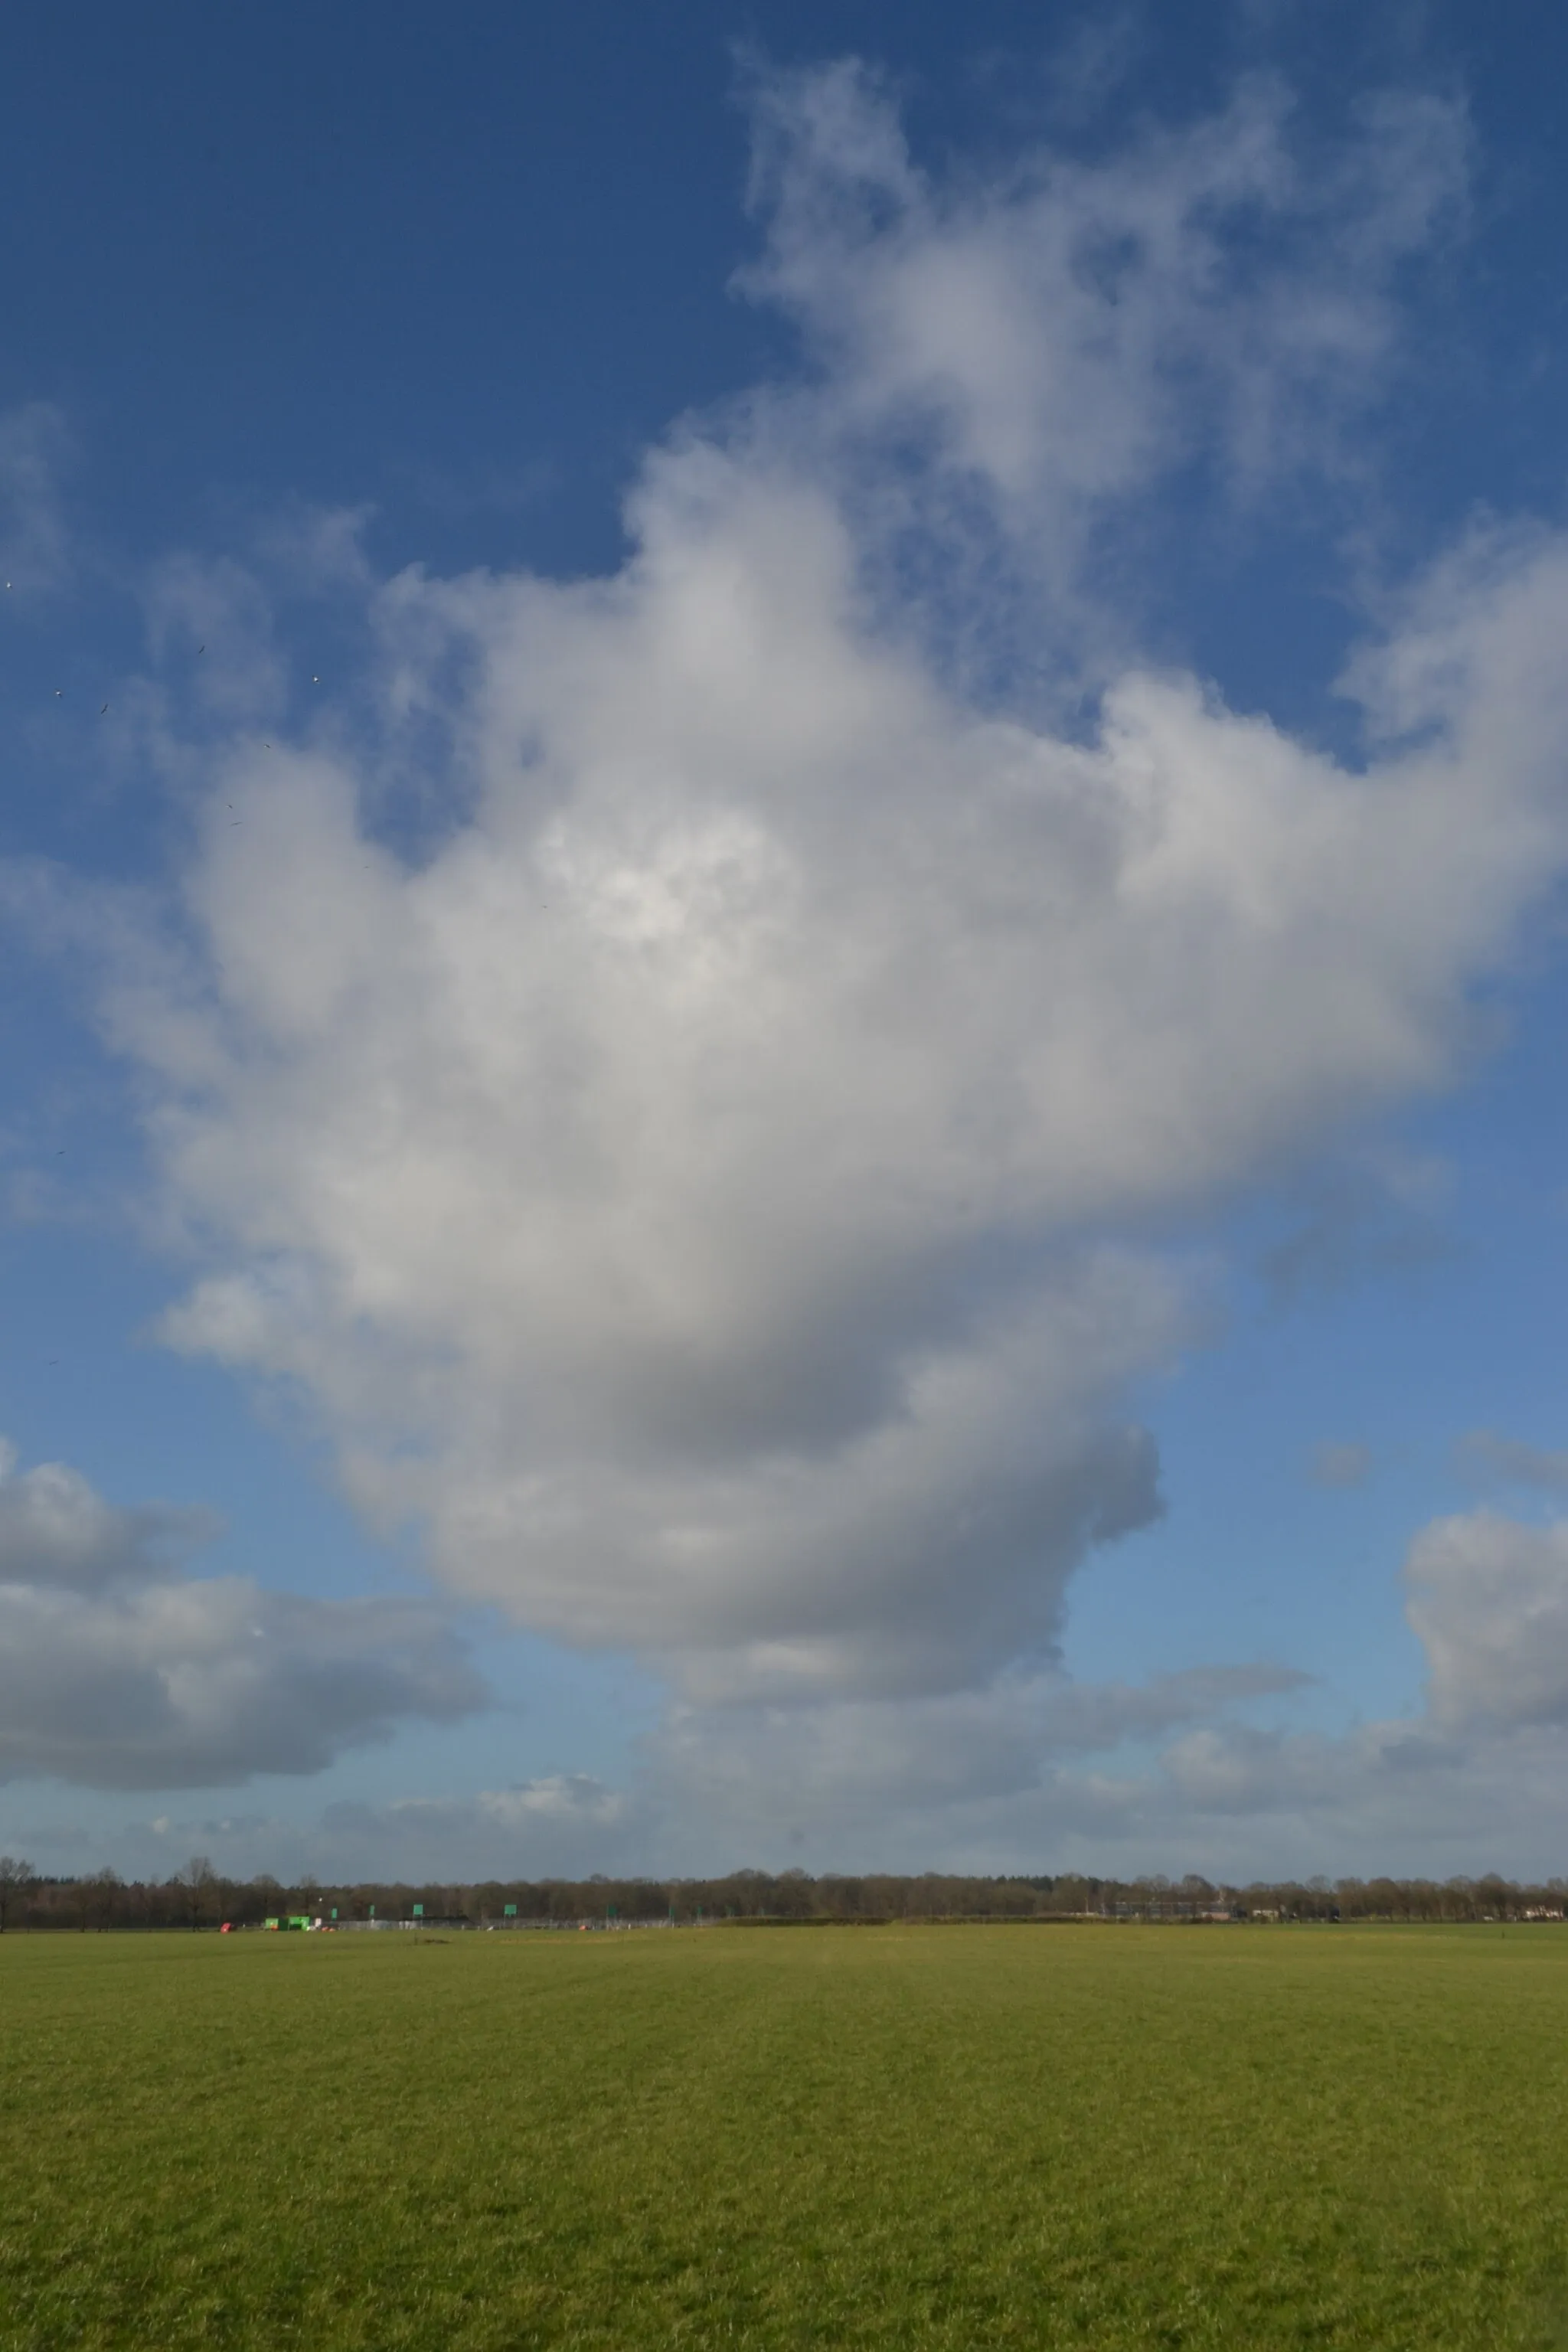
957, 2137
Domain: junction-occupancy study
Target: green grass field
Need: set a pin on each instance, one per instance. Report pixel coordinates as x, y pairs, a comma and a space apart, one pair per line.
957, 2137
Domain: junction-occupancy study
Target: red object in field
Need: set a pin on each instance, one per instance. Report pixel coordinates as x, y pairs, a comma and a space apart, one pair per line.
225, 1929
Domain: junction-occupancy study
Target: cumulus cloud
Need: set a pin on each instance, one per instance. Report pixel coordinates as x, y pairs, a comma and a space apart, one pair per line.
56, 1528
120, 1670
664, 1188
694, 1185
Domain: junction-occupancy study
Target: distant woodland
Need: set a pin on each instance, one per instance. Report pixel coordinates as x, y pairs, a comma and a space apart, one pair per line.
198, 1897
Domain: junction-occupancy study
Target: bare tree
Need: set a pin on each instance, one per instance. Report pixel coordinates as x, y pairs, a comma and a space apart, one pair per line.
197, 1876
17, 1880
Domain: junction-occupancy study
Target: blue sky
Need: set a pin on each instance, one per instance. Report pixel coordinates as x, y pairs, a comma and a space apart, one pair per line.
781, 850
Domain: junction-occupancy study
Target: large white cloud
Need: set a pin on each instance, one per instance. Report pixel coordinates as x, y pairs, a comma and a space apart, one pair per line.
664, 1188
119, 1670
690, 1186
689, 1183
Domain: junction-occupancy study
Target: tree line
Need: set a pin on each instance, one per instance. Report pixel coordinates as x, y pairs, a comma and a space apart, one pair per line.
197, 1897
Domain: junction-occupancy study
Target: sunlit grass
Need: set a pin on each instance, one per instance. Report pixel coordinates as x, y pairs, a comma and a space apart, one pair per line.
951, 2137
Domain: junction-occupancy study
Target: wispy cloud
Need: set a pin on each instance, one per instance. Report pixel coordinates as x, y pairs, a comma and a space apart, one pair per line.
34, 542
1485, 1455
1009, 365
1341, 1463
